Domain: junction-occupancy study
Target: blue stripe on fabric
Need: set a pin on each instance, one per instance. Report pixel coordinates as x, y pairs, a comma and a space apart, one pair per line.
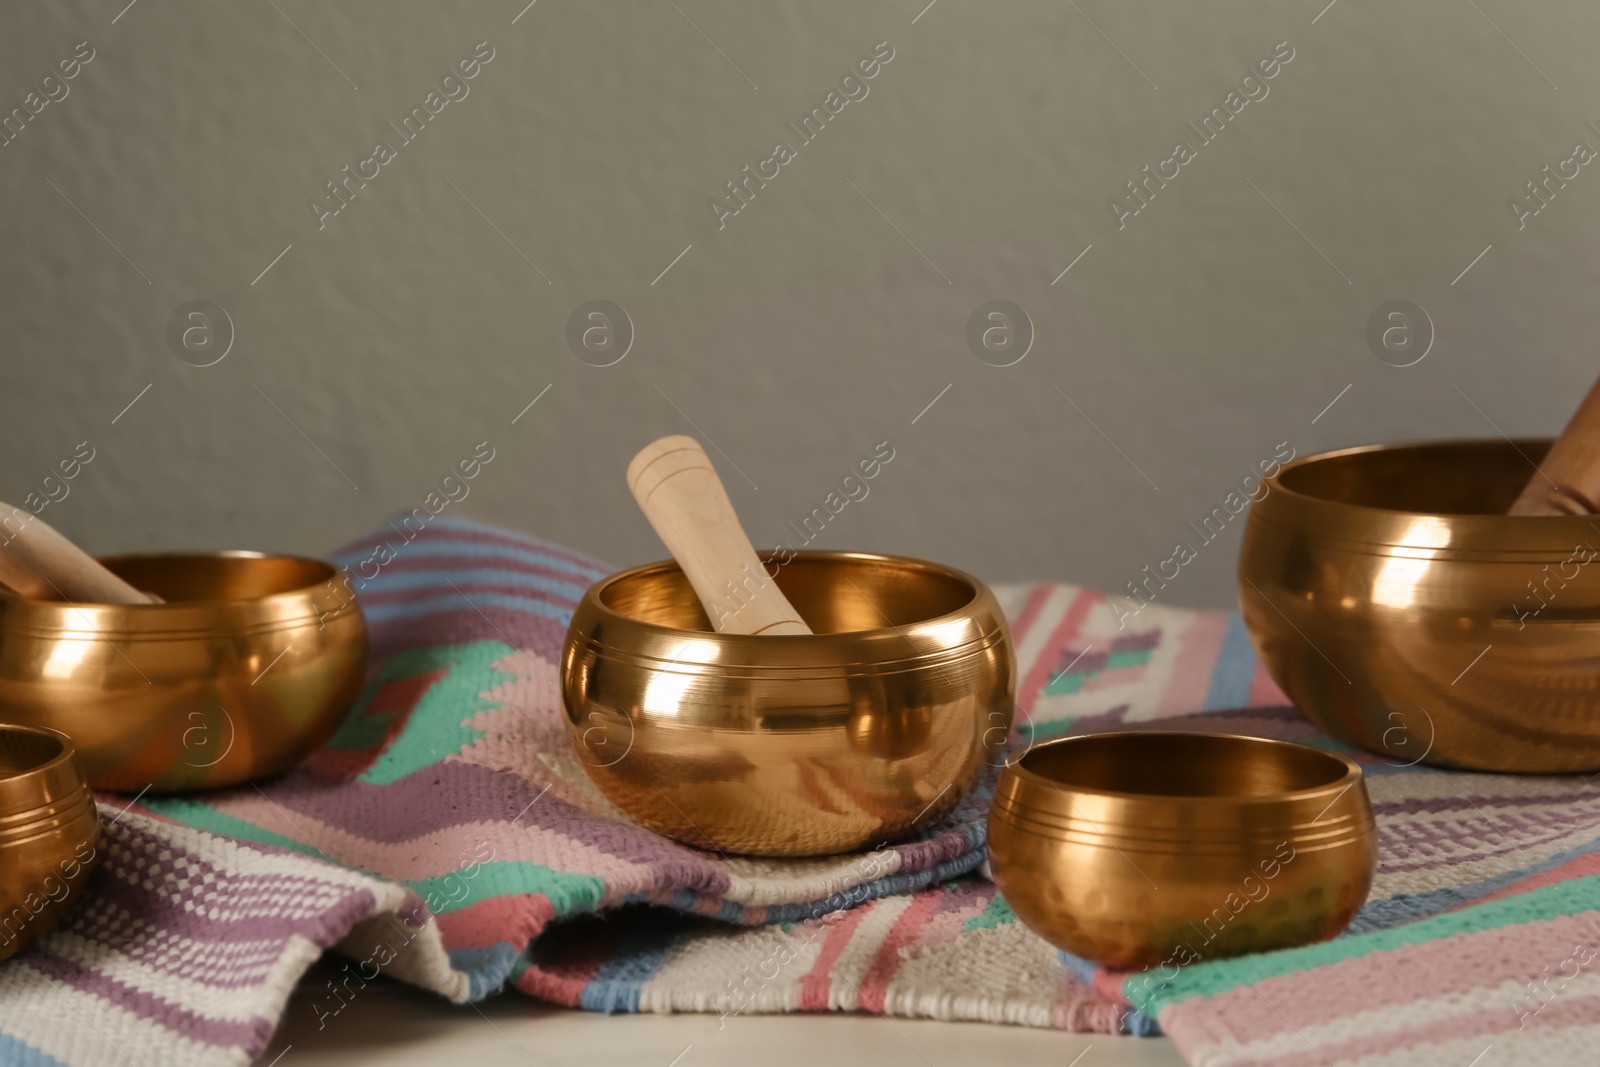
1080, 967
396, 580
1408, 907
1235, 667
620, 980
883, 887
14, 1052
1138, 1024
1134, 1023
454, 602
487, 968
456, 522
689, 900
436, 547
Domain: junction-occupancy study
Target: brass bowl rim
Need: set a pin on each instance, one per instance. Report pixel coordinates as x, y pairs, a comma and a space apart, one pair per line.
592, 598
1398, 446
1352, 772
170, 620
44, 794
226, 553
68, 750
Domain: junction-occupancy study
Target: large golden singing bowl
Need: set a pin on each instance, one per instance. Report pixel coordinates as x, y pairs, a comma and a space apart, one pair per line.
245, 670
790, 745
49, 834
1399, 607
1164, 849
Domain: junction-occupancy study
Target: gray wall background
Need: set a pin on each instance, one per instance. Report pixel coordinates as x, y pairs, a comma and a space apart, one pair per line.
822, 319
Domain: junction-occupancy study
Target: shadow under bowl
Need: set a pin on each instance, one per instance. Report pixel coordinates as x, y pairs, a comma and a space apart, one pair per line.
1393, 600
247, 668
791, 745
49, 834
1158, 850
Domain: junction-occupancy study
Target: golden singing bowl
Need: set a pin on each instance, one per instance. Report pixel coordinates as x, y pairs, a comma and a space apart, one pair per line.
790, 745
1159, 850
1399, 607
245, 670
49, 834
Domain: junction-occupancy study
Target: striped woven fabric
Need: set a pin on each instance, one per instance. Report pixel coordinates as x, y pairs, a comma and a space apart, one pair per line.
448, 838
1481, 931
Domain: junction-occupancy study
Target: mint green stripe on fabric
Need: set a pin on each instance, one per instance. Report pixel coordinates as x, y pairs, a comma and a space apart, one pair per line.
1069, 682
568, 893
203, 816
437, 726
1210, 979
998, 913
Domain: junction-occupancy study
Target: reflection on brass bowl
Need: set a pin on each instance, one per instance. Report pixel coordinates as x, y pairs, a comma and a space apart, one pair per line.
49, 834
791, 745
1399, 607
1159, 850
245, 670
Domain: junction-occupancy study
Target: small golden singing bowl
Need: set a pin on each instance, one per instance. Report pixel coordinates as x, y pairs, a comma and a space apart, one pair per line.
1399, 607
1163, 849
49, 834
245, 670
791, 745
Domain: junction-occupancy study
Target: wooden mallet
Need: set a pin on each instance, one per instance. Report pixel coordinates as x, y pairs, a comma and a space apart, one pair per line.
678, 489
1568, 479
39, 563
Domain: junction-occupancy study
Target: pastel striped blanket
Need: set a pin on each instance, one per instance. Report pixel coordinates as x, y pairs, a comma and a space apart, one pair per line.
447, 837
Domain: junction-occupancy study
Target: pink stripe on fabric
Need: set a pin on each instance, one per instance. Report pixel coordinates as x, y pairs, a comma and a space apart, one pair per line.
1577, 868
1559, 1014
1200, 646
1109, 983
1039, 674
1081, 1012
443, 852
874, 987
1264, 691
1023, 624
817, 983
562, 981
516, 920
1427, 971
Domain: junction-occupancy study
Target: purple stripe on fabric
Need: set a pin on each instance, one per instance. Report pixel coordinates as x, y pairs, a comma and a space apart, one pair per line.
410, 808
251, 1036
448, 528
410, 564
919, 855
1389, 866
464, 529
962, 895
1561, 805
1105, 720
465, 590
264, 918
523, 630
1139, 642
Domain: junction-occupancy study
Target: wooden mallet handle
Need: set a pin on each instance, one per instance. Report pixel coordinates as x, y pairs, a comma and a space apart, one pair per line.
1568, 481
37, 562
680, 493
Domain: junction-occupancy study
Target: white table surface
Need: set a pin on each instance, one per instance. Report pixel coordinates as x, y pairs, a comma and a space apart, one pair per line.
398, 1026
